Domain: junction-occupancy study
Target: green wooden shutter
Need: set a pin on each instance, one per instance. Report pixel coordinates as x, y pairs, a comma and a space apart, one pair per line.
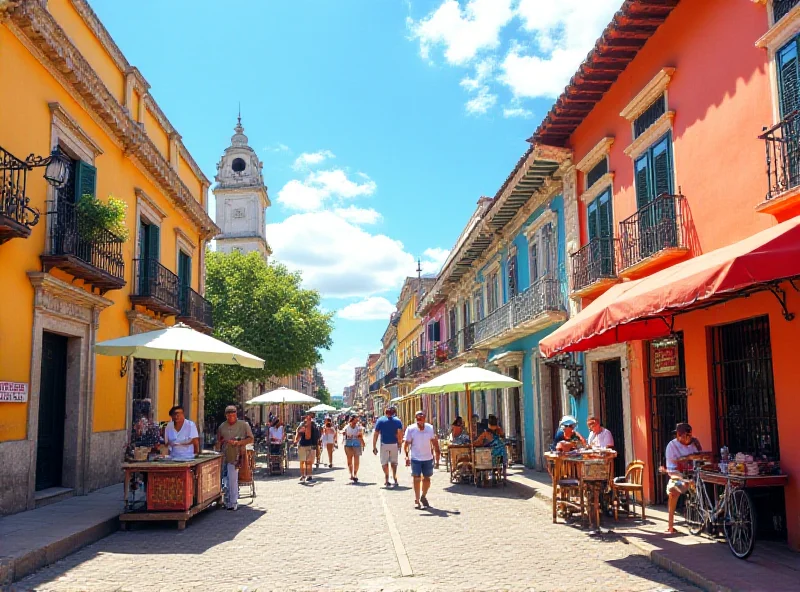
605, 231
662, 168
643, 192
789, 78
185, 269
154, 242
85, 180
592, 220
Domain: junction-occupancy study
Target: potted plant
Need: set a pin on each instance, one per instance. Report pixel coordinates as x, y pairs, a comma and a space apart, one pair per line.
96, 218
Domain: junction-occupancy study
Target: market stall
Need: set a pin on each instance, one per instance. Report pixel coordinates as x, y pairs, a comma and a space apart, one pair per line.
171, 490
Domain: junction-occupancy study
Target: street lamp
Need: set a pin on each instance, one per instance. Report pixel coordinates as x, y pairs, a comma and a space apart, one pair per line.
56, 171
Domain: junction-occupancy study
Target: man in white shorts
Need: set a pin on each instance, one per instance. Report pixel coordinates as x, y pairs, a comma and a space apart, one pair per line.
421, 441
390, 429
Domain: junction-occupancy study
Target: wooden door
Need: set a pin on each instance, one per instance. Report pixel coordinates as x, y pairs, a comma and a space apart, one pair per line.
52, 407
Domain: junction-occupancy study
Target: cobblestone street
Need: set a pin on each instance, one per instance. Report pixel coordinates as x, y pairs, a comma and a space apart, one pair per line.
336, 535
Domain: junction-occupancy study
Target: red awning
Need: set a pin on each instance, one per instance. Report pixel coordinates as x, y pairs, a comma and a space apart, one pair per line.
642, 309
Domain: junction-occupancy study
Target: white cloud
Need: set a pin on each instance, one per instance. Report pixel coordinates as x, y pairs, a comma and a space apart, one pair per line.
319, 187
338, 377
370, 309
463, 33
509, 112
563, 33
433, 259
277, 148
307, 159
339, 258
358, 215
482, 102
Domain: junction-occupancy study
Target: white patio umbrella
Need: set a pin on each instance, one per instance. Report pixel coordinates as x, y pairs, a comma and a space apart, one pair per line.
281, 396
180, 343
321, 408
465, 378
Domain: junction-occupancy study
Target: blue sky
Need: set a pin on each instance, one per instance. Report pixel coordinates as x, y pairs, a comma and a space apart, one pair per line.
380, 122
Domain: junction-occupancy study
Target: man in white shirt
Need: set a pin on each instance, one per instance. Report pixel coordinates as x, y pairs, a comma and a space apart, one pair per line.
599, 437
421, 441
181, 435
684, 444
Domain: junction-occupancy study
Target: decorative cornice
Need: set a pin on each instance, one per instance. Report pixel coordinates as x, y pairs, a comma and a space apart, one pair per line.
141, 322
598, 187
546, 217
782, 31
39, 26
595, 155
648, 94
193, 164
148, 202
660, 127
57, 112
64, 291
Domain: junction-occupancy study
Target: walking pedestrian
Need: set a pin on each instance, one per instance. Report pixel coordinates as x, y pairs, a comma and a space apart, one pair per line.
390, 430
307, 438
329, 439
421, 441
233, 436
353, 446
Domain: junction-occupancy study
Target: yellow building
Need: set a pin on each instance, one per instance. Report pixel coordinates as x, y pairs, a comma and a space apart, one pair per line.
66, 86
409, 338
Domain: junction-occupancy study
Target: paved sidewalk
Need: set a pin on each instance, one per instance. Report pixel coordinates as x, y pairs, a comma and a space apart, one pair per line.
706, 562
36, 538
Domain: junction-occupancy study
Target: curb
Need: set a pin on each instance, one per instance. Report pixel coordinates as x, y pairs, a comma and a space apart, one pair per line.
13, 569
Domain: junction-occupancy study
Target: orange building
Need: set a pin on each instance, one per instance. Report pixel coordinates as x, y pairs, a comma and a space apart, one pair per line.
666, 121
70, 282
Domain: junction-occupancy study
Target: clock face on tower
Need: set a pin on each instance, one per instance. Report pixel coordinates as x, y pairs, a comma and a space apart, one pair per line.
238, 165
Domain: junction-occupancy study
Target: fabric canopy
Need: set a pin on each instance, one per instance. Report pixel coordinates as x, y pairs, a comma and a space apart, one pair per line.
321, 408
282, 395
641, 309
464, 377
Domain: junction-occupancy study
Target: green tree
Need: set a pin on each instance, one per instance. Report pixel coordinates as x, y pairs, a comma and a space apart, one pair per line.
263, 309
324, 395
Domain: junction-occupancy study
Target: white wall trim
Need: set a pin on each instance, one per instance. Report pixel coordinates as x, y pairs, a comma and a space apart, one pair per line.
595, 155
661, 126
648, 94
599, 187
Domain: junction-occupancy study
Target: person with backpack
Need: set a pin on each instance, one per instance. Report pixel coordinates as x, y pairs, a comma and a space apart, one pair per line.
307, 438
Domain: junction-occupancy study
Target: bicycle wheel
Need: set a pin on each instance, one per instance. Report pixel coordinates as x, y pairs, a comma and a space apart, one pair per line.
740, 524
694, 518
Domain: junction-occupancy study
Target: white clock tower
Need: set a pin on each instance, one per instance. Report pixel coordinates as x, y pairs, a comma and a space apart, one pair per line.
242, 199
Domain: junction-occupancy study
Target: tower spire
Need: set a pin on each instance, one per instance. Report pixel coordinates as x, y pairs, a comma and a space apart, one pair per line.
239, 118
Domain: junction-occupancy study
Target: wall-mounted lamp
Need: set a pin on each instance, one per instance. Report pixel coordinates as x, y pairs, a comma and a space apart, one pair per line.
56, 171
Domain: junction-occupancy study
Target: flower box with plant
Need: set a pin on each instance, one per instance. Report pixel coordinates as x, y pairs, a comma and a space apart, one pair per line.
441, 353
100, 221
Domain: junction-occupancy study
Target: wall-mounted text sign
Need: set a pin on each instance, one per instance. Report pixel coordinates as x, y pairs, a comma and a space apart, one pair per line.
13, 392
664, 359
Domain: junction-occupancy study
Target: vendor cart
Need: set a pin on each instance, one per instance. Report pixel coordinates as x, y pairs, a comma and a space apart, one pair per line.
171, 490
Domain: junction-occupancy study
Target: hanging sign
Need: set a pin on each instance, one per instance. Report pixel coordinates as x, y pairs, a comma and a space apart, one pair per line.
664, 359
13, 392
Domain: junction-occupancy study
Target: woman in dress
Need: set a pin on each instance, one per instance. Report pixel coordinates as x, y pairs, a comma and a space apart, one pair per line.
329, 439
353, 446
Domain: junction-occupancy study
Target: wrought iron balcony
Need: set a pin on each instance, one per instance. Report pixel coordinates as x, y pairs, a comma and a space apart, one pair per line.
196, 311
655, 234
84, 250
539, 305
782, 145
594, 264
155, 287
16, 216
781, 7
375, 386
419, 363
390, 376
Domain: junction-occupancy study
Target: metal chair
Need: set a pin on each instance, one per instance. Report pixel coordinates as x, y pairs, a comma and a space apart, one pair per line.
627, 489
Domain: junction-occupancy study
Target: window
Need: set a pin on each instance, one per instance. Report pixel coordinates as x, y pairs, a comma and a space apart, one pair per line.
542, 253
513, 283
492, 296
653, 172
597, 172
451, 323
599, 217
149, 240
789, 78
649, 116
184, 277
477, 300
780, 8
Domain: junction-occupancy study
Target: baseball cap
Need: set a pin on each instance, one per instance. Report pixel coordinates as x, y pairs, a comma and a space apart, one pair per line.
231, 409
418, 413
683, 428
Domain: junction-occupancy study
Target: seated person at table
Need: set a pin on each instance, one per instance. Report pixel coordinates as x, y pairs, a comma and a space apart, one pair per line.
567, 437
684, 444
493, 436
457, 433
599, 437
478, 426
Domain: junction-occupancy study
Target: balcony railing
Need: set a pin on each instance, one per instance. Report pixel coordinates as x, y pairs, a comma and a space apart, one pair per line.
16, 217
196, 311
782, 143
658, 226
155, 287
544, 295
418, 364
593, 262
390, 376
781, 7
84, 250
375, 386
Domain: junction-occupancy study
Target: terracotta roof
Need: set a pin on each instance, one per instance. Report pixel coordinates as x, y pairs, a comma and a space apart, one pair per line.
621, 40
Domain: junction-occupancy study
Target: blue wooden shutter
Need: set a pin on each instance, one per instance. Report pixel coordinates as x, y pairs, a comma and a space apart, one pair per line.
85, 180
662, 168
643, 193
789, 78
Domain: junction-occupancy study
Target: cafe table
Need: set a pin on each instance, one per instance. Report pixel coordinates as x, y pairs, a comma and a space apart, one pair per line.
589, 472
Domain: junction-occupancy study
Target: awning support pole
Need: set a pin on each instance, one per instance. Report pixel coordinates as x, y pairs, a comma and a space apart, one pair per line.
780, 296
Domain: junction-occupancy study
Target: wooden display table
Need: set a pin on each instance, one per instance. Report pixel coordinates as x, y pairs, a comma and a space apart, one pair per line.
175, 490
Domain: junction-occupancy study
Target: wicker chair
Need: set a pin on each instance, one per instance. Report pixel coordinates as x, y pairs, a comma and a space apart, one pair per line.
567, 497
629, 488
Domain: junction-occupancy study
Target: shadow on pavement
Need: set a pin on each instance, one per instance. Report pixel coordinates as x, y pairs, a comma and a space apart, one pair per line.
632, 564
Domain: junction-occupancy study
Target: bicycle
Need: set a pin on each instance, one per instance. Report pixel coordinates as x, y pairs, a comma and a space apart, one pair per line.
732, 510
